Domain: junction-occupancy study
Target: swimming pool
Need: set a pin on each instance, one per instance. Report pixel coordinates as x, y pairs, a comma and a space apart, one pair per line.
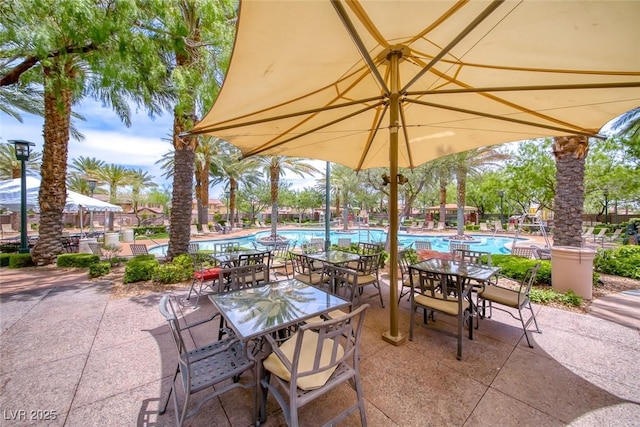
495, 245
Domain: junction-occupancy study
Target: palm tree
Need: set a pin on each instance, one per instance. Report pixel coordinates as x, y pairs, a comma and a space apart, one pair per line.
275, 167
10, 167
570, 153
114, 176
344, 183
227, 167
139, 180
470, 162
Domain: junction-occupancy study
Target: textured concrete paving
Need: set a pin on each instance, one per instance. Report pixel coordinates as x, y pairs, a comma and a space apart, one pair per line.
70, 352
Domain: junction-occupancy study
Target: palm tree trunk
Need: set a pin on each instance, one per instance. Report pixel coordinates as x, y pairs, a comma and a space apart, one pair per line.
570, 153
53, 190
275, 182
181, 201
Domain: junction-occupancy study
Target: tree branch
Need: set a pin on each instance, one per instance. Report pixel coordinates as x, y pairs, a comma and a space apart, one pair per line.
13, 76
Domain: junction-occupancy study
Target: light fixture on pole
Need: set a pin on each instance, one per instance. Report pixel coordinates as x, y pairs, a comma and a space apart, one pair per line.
23, 151
92, 186
501, 194
606, 205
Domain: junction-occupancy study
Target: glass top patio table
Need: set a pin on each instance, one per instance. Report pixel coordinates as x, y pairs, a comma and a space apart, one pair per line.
480, 273
335, 257
258, 311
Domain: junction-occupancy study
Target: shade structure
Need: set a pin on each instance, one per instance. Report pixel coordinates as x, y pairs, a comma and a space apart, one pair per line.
10, 198
398, 83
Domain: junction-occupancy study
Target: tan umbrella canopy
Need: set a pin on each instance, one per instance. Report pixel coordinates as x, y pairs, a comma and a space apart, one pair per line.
398, 83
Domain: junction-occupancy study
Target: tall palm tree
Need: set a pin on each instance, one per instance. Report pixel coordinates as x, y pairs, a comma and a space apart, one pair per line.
11, 168
344, 182
470, 162
275, 167
114, 176
227, 168
139, 180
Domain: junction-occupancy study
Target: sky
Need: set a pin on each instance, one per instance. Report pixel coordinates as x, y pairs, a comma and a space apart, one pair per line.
108, 139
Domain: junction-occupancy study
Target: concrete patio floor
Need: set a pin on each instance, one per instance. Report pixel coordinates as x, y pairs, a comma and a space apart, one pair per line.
67, 348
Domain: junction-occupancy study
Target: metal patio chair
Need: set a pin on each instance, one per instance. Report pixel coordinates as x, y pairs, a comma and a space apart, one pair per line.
213, 369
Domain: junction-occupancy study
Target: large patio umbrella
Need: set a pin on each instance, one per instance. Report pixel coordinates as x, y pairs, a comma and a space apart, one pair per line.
398, 83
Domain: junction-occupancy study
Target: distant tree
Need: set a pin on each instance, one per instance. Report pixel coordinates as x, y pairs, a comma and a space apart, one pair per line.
114, 176
11, 168
140, 180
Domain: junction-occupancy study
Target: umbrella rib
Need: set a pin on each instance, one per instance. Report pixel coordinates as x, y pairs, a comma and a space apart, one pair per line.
526, 88
215, 128
406, 135
348, 116
342, 13
507, 119
372, 136
464, 33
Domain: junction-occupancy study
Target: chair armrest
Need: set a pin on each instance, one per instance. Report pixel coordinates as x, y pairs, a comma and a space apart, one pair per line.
200, 322
275, 348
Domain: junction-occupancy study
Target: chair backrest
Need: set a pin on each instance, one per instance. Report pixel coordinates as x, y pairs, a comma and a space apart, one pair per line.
527, 281
95, 248
138, 249
169, 313
522, 252
341, 281
369, 264
312, 247
255, 258
226, 247
242, 277
281, 251
369, 248
301, 263
404, 263
455, 245
472, 257
344, 242
422, 244
193, 248
440, 286
337, 341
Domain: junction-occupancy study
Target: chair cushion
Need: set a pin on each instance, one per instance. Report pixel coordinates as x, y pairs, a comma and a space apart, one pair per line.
501, 295
307, 355
448, 306
208, 274
331, 315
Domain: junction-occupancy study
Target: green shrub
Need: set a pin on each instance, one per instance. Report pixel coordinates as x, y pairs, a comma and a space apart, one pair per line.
99, 269
150, 229
545, 296
180, 269
516, 267
20, 260
77, 260
622, 261
140, 268
4, 260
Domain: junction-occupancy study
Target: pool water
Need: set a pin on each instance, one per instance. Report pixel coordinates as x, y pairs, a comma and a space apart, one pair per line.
494, 245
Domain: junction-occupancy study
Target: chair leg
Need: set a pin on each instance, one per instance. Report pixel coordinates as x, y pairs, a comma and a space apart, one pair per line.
377, 285
163, 407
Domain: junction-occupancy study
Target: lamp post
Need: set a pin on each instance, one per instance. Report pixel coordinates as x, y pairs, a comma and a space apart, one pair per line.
92, 186
606, 205
501, 194
23, 151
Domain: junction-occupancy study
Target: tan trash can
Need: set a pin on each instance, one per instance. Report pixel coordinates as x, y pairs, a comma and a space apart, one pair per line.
111, 239
83, 245
127, 235
572, 270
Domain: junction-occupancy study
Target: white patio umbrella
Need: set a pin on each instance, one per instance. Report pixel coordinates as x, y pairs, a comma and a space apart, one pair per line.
10, 199
398, 83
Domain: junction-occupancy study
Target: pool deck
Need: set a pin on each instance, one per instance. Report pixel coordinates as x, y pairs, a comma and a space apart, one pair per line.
73, 352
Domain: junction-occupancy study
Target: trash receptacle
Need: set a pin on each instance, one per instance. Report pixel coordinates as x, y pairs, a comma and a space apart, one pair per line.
127, 235
572, 270
111, 239
83, 245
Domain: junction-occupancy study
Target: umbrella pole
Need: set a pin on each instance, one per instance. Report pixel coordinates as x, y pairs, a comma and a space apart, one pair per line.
393, 336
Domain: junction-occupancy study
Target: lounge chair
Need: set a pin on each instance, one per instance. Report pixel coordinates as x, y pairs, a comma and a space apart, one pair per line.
195, 231
484, 227
205, 229
613, 237
588, 232
601, 234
